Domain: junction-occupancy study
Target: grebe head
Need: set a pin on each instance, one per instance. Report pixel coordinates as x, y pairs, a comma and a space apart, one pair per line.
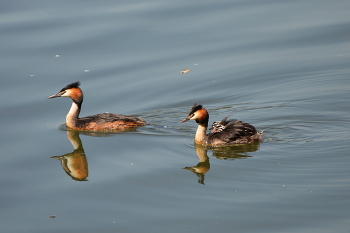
71, 90
197, 113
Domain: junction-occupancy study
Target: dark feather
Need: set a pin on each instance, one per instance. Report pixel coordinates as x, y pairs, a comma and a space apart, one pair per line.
108, 117
70, 86
195, 108
219, 126
233, 131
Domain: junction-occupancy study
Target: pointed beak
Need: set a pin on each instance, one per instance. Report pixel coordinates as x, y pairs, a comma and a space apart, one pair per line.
184, 120
54, 96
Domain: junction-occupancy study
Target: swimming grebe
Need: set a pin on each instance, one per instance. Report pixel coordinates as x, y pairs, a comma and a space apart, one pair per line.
225, 132
100, 122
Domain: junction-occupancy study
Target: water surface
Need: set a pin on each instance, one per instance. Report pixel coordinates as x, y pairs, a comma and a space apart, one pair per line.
281, 66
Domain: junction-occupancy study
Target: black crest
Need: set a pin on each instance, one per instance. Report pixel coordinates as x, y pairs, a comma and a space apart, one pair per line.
70, 86
195, 108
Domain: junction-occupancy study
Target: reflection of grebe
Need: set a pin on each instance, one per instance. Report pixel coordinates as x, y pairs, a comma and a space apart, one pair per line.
231, 132
75, 163
99, 122
236, 151
203, 166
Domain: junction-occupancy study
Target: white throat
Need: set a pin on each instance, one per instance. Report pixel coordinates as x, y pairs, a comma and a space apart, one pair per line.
72, 116
201, 134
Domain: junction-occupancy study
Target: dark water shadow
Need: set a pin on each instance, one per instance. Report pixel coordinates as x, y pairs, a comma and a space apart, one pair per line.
239, 151
226, 153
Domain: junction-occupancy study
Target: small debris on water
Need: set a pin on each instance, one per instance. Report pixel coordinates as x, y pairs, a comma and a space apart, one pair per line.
185, 71
131, 164
57, 55
86, 70
52, 216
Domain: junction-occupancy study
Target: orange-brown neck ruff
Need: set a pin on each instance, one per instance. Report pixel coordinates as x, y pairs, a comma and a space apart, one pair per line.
202, 117
77, 96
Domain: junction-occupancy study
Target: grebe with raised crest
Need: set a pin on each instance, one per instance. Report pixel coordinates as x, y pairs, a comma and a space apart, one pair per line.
225, 132
101, 122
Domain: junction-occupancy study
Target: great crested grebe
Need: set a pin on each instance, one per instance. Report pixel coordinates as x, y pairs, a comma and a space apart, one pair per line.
225, 132
100, 122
